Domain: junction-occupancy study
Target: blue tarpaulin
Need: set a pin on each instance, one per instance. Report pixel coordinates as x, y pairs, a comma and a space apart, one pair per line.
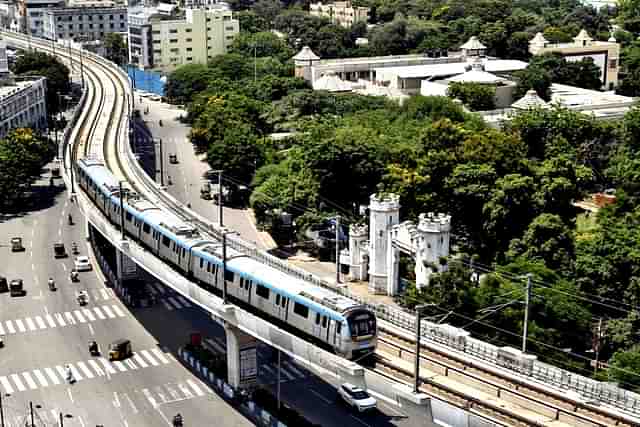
146, 80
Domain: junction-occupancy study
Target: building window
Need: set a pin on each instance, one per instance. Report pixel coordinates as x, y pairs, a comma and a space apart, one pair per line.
189, 40
208, 28
228, 28
174, 31
156, 42
187, 30
613, 63
189, 49
110, 17
59, 18
155, 32
189, 58
101, 26
175, 50
122, 25
173, 40
100, 17
157, 51
90, 17
79, 26
111, 25
121, 16
208, 19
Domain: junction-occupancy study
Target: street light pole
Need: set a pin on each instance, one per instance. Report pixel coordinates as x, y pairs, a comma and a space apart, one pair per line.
416, 369
61, 423
337, 249
220, 219
279, 362
597, 349
1, 412
224, 267
121, 208
33, 424
161, 163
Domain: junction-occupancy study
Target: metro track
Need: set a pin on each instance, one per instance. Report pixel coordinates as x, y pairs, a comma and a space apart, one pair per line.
101, 131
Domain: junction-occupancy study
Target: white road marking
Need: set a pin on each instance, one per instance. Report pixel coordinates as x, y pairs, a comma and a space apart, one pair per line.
79, 316
151, 289
91, 329
87, 372
117, 310
69, 318
70, 395
116, 401
195, 387
40, 322
107, 366
40, 377
133, 407
10, 327
326, 400
17, 382
173, 392
6, 385
118, 364
75, 372
160, 392
150, 358
50, 321
62, 372
175, 302
89, 314
20, 325
60, 319
183, 388
96, 367
46, 311
294, 369
130, 364
30, 324
220, 348
150, 398
52, 376
108, 311
1, 329
140, 360
359, 420
286, 373
159, 355
104, 293
167, 305
99, 313
64, 267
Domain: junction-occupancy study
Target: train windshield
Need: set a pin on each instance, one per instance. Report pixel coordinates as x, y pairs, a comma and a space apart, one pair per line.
362, 324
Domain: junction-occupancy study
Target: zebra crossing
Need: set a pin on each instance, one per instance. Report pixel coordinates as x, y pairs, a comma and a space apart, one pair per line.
268, 369
82, 370
55, 320
170, 299
175, 392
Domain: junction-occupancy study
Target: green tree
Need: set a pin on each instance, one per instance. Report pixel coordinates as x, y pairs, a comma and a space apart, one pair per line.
116, 48
625, 367
261, 44
237, 152
186, 81
477, 97
57, 74
22, 156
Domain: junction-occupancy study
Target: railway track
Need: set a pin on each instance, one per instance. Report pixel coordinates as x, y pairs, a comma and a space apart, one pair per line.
504, 400
486, 390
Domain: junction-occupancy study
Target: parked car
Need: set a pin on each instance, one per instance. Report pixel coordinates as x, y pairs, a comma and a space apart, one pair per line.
356, 397
16, 288
59, 251
4, 285
16, 244
82, 263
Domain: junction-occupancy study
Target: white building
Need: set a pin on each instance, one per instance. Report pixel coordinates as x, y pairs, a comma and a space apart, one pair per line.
163, 42
340, 12
22, 104
84, 23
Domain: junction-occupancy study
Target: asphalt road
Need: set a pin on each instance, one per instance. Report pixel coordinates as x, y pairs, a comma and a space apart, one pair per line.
44, 331
315, 396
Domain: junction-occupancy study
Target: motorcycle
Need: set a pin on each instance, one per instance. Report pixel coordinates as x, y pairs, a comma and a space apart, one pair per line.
160, 123
74, 276
177, 421
70, 220
52, 285
74, 248
1, 341
93, 348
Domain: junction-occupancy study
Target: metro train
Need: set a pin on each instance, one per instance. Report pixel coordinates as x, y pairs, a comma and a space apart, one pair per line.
334, 322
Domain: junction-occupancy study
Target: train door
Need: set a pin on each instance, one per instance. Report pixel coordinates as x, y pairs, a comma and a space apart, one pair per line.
317, 325
280, 307
332, 332
338, 335
244, 289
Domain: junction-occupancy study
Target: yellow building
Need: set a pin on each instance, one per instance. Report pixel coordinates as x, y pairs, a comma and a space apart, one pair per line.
604, 54
340, 12
161, 41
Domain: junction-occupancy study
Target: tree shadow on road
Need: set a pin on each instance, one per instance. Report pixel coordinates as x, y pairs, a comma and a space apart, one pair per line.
39, 197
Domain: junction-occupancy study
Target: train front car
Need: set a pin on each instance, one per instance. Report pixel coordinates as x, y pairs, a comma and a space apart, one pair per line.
363, 333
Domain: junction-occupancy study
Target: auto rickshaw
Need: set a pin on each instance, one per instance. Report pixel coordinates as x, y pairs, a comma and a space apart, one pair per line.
94, 350
120, 349
82, 297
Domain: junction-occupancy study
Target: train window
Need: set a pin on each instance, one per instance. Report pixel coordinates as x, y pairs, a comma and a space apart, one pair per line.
262, 291
317, 318
208, 267
146, 228
228, 276
324, 321
128, 216
284, 301
301, 310
277, 299
166, 241
242, 282
184, 252
201, 263
339, 328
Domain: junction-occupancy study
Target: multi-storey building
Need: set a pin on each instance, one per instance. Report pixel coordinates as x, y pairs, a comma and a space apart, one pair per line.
340, 12
22, 104
161, 42
84, 23
31, 15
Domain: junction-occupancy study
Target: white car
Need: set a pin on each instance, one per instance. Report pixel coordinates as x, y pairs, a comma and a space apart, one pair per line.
356, 397
82, 263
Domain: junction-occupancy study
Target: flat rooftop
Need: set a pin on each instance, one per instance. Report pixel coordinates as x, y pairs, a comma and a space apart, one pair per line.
452, 68
15, 87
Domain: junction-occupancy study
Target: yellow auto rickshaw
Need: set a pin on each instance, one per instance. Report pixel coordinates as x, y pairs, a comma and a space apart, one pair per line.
120, 349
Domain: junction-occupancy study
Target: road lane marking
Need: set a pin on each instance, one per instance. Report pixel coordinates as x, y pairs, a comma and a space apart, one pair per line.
159, 355
286, 373
133, 407
214, 345
70, 395
167, 305
86, 371
98, 370
118, 364
130, 364
52, 376
40, 377
1, 329
140, 360
175, 302
40, 322
64, 267
10, 327
20, 325
50, 321
75, 372
62, 372
116, 401
117, 310
183, 388
294, 369
328, 401
105, 294
89, 315
91, 331
60, 319
6, 385
150, 398
173, 392
195, 387
107, 366
79, 316
99, 313
69, 318
184, 301
17, 382
359, 420
150, 358
108, 311
30, 324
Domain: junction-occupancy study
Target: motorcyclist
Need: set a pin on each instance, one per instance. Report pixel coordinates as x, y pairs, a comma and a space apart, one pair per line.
70, 219
177, 420
69, 372
73, 275
74, 248
52, 284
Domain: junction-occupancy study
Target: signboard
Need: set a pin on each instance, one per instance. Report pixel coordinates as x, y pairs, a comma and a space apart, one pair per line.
248, 366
